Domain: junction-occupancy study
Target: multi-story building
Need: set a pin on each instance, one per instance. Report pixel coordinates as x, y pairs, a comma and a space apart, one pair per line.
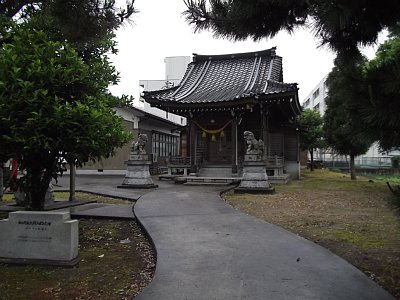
316, 98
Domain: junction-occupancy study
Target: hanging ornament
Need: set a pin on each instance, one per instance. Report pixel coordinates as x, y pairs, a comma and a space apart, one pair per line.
222, 134
213, 138
204, 135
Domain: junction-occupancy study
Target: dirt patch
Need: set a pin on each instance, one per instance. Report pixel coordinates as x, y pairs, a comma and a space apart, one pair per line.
353, 219
117, 262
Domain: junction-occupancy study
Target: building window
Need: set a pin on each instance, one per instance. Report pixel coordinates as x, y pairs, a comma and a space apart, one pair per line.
316, 107
165, 144
307, 103
316, 93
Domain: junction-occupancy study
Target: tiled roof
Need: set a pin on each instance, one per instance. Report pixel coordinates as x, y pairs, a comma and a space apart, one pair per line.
213, 79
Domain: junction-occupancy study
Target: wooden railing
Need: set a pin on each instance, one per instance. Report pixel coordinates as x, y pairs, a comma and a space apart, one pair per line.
275, 161
177, 160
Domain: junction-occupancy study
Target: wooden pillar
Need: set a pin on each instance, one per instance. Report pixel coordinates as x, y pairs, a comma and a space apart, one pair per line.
264, 129
193, 166
234, 147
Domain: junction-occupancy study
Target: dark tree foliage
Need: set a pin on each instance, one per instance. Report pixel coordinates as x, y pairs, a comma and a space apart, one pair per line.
345, 130
53, 105
381, 112
80, 21
54, 78
342, 25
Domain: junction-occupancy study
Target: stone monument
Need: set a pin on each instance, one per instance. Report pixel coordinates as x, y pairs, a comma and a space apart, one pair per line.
255, 178
137, 173
44, 237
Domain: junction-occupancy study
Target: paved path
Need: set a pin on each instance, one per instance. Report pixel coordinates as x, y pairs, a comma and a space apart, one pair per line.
106, 185
208, 250
100, 184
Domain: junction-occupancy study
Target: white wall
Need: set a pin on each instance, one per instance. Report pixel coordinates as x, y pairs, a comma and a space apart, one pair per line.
175, 68
293, 168
128, 116
312, 101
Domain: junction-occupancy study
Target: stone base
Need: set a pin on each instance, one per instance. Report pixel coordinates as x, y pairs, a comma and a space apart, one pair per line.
253, 190
139, 157
255, 179
252, 157
138, 175
28, 236
137, 186
43, 262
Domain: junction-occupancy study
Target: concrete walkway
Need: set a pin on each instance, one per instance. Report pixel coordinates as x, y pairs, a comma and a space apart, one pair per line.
208, 250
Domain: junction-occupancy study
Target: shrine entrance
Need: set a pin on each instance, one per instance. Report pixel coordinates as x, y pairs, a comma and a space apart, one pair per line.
217, 148
214, 139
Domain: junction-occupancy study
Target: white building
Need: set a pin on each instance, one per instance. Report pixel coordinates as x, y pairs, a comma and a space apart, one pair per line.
175, 68
316, 100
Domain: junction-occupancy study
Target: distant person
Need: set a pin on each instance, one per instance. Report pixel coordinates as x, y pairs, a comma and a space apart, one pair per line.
12, 183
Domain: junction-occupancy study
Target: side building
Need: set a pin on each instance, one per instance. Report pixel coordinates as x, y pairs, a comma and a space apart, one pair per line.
161, 132
161, 127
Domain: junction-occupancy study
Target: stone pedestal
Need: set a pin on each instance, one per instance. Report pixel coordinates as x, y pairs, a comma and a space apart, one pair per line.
39, 237
255, 178
137, 173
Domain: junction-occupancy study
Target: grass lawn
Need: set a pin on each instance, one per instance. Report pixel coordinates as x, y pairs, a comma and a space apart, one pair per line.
355, 219
108, 268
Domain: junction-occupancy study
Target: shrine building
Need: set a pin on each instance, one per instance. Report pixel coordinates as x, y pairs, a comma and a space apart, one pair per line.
222, 96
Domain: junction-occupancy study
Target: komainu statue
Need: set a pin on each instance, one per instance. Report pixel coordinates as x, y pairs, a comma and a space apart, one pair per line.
253, 146
139, 146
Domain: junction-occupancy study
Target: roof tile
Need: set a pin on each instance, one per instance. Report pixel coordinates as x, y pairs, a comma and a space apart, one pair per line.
222, 78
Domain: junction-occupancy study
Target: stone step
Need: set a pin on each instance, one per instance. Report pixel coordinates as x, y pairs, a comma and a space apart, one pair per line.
215, 171
211, 180
208, 183
279, 179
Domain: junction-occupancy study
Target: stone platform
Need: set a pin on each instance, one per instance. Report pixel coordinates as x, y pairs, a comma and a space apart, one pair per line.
255, 178
138, 174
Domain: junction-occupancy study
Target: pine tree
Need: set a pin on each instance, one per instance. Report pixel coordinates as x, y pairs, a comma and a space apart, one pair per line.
345, 131
342, 25
381, 112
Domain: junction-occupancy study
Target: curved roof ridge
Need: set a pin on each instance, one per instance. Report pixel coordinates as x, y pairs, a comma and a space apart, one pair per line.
281, 83
252, 76
162, 90
196, 82
187, 75
203, 57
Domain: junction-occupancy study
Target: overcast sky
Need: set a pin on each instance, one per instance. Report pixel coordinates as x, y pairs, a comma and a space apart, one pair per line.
159, 30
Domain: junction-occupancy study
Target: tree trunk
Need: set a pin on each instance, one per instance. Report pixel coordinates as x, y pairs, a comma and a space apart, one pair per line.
1, 180
72, 182
312, 159
352, 168
35, 191
38, 177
